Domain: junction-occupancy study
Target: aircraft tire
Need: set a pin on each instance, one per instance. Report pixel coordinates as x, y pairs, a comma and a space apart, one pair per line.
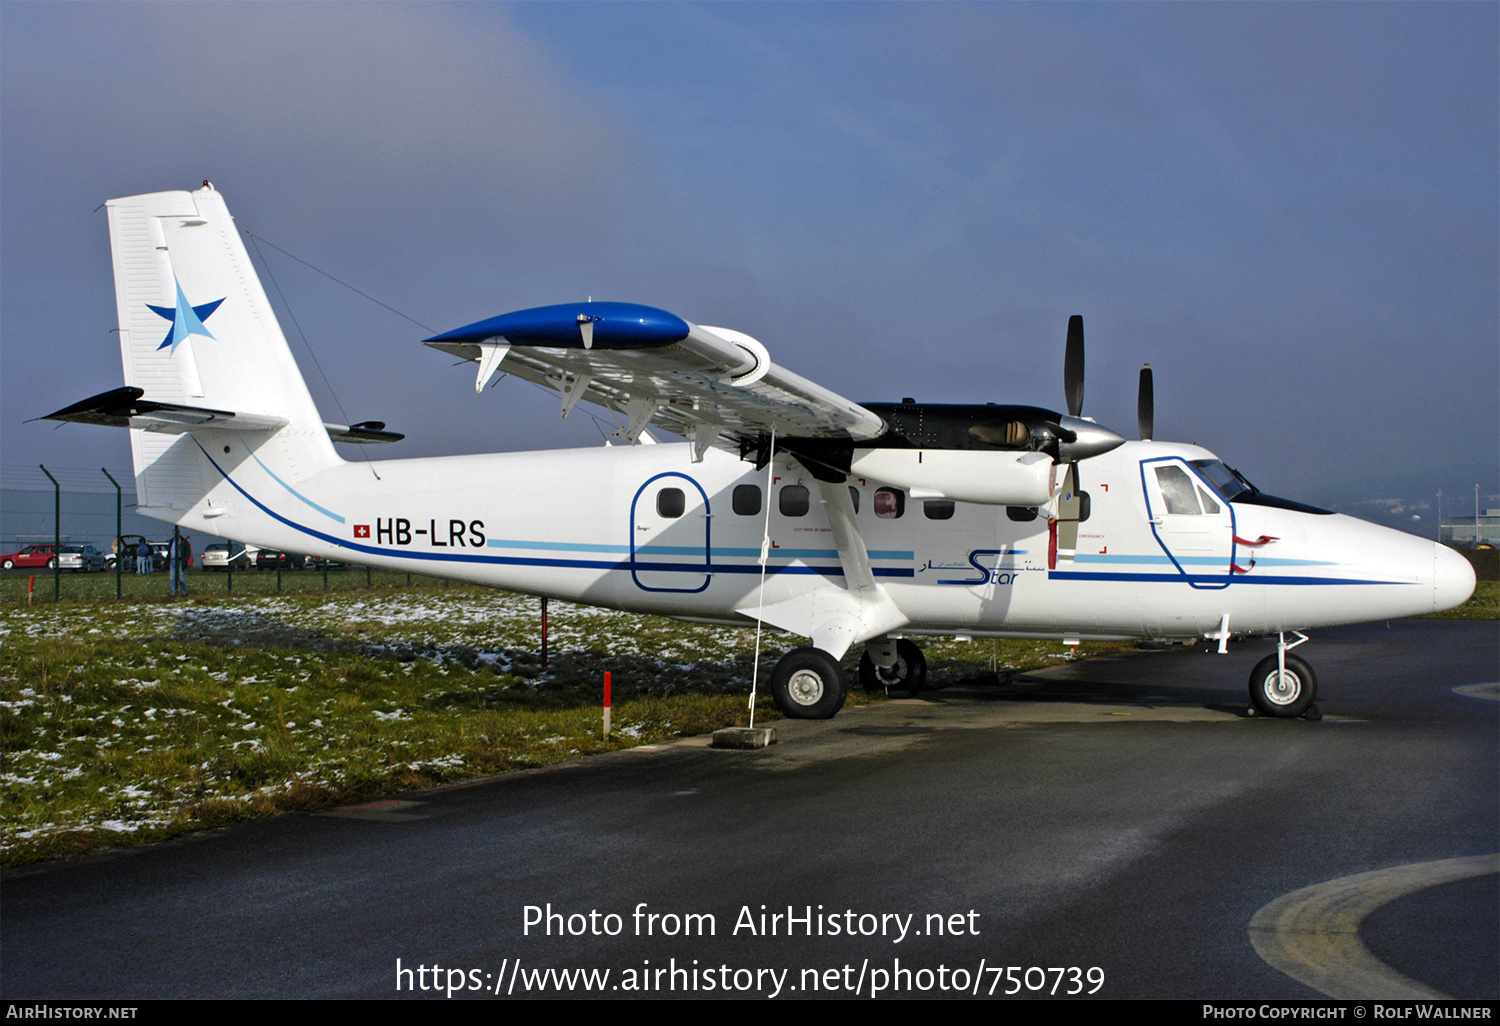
909, 674
1287, 698
808, 684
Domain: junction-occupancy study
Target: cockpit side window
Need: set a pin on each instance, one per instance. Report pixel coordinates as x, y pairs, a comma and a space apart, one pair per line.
1177, 490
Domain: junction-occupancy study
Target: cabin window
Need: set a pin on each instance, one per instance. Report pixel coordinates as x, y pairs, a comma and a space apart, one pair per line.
670, 503
745, 500
938, 509
794, 501
890, 503
1021, 514
1177, 490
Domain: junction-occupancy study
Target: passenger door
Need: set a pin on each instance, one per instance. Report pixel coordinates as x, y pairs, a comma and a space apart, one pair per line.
1193, 526
669, 535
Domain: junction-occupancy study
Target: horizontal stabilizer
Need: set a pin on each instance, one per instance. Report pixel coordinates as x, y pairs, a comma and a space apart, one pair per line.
125, 407
365, 432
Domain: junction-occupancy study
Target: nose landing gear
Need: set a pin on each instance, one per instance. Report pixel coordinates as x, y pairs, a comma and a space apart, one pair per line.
1283, 685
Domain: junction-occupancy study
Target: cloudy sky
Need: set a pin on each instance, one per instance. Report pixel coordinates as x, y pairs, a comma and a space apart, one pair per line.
1289, 210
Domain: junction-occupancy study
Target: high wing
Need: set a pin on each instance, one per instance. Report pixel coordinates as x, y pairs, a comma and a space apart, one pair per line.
715, 386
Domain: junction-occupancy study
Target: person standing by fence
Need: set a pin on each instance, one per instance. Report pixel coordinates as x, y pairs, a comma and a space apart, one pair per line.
143, 557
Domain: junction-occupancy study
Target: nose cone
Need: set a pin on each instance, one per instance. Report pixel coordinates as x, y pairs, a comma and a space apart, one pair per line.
1092, 439
1452, 579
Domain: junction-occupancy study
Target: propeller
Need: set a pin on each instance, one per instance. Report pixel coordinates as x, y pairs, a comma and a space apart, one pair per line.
1073, 388
1072, 437
1145, 408
1073, 367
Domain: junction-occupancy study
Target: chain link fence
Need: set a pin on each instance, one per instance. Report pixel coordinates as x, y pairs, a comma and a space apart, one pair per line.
83, 508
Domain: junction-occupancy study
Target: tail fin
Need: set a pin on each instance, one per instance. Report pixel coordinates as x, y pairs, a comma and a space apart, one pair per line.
198, 337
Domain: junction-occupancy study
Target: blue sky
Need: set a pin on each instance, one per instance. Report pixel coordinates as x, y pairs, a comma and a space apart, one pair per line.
1290, 210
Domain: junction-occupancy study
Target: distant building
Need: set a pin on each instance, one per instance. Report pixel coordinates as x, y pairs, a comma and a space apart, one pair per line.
1464, 531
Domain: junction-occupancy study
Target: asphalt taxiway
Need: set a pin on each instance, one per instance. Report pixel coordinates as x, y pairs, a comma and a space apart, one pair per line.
1119, 820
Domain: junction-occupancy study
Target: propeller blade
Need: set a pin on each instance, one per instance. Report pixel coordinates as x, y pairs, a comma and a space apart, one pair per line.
1145, 410
1073, 367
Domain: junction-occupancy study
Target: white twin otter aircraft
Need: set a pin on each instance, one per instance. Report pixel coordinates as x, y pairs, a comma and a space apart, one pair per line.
843, 523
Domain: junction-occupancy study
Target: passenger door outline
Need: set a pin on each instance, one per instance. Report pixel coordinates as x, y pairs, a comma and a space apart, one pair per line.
1200, 545
670, 554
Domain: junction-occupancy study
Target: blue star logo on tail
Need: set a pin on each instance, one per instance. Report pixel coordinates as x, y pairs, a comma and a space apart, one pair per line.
186, 320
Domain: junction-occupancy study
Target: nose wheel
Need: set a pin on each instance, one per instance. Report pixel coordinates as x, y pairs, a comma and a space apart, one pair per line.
1283, 686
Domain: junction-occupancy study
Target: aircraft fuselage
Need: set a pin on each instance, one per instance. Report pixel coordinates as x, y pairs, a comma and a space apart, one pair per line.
644, 528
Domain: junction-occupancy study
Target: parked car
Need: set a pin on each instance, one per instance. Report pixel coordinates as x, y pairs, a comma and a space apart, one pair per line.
31, 556
223, 556
319, 563
82, 559
272, 559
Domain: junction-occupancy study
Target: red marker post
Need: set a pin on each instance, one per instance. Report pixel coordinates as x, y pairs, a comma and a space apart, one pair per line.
606, 702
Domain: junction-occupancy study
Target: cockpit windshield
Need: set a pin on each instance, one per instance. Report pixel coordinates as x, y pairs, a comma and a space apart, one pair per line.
1235, 487
1226, 482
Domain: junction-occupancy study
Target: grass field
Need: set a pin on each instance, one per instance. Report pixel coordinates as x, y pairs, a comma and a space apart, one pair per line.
138, 720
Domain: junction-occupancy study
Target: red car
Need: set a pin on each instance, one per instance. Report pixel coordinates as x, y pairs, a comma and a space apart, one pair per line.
31, 556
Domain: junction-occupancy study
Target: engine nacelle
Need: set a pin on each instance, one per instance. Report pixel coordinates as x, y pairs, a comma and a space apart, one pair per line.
993, 478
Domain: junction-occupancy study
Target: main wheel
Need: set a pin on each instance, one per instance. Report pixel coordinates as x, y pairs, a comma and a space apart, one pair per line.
1283, 694
808, 684
908, 674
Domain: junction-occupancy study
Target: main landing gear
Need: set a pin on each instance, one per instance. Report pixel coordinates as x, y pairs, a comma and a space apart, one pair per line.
1282, 685
809, 684
906, 673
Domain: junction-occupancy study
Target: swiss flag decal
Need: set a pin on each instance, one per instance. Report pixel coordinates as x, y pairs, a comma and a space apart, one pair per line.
361, 530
